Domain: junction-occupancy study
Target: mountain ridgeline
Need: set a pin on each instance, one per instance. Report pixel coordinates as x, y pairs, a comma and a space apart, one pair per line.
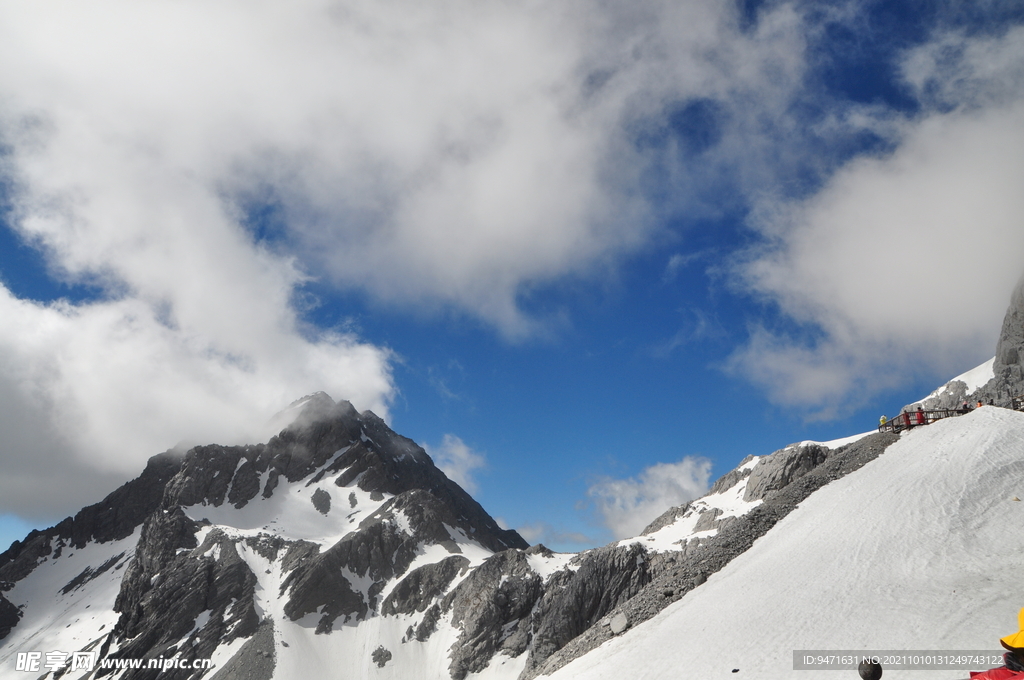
339, 549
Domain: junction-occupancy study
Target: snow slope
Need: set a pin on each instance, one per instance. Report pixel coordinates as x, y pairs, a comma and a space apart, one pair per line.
974, 379
82, 611
918, 550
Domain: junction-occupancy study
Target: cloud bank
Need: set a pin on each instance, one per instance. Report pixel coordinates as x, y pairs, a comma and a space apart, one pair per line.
903, 262
198, 162
626, 506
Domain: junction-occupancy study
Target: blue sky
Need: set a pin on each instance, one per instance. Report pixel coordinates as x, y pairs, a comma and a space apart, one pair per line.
590, 256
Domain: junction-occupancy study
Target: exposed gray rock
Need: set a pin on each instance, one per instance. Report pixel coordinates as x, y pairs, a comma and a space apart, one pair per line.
89, 574
321, 501
318, 584
299, 553
732, 477
428, 625
245, 485
9, 616
1010, 347
1007, 369
706, 519
422, 586
380, 550
170, 583
361, 450
381, 656
492, 606
665, 519
618, 623
23, 556
576, 600
113, 518
782, 467
256, 659
953, 395
502, 606
205, 476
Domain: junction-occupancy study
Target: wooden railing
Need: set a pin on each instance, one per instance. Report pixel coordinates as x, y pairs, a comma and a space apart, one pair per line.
905, 421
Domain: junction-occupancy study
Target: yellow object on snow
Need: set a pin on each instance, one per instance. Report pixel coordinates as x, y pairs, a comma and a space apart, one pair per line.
1015, 641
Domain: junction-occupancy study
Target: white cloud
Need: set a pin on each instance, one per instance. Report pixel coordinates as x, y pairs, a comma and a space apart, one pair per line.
451, 153
626, 506
448, 154
903, 263
458, 461
89, 392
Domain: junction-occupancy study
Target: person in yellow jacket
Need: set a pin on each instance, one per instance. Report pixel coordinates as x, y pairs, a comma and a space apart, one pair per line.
1014, 658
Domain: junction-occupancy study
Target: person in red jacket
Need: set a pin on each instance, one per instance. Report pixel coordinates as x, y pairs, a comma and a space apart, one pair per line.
1014, 658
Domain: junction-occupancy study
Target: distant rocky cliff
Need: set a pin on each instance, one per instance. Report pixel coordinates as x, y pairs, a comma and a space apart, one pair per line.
1008, 369
1007, 381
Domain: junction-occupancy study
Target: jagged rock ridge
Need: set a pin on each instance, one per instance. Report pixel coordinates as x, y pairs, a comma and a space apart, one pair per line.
190, 587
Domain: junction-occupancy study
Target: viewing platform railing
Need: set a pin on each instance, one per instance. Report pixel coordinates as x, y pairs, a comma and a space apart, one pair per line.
905, 421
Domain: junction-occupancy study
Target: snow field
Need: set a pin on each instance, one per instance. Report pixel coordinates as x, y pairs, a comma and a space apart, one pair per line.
918, 550
75, 621
290, 512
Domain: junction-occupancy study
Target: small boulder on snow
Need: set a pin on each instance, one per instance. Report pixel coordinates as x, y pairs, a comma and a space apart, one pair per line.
619, 623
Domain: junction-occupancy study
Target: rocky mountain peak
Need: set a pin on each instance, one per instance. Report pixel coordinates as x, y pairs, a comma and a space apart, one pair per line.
1010, 347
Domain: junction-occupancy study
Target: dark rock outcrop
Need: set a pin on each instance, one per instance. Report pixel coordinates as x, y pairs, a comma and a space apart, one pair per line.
9, 616
321, 501
492, 606
1007, 369
575, 600
360, 449
1010, 346
255, 660
170, 583
113, 518
380, 550
88, 574
422, 586
381, 656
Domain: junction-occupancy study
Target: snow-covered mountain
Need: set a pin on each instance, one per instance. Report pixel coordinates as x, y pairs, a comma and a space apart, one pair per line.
918, 550
338, 549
